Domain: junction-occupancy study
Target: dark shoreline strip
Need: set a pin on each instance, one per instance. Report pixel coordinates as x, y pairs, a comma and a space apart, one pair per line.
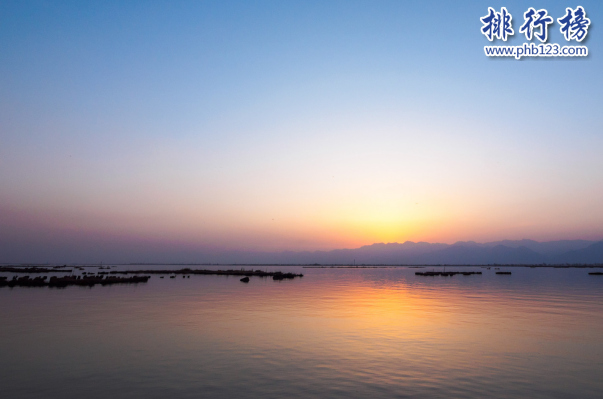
245, 273
61, 282
33, 270
349, 267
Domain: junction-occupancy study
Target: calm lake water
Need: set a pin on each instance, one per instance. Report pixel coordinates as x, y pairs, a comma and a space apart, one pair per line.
335, 333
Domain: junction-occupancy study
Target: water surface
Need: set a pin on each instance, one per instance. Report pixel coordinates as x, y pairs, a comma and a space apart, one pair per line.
335, 333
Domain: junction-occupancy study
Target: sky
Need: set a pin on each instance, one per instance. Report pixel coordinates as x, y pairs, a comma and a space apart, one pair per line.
184, 128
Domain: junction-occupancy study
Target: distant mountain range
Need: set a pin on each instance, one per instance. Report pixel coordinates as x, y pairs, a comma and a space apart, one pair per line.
408, 253
423, 253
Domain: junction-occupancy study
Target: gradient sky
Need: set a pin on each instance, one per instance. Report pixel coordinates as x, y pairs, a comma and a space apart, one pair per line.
272, 125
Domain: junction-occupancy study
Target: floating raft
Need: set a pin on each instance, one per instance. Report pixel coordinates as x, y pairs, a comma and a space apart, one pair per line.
503, 272
445, 274
242, 273
88, 281
596, 274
